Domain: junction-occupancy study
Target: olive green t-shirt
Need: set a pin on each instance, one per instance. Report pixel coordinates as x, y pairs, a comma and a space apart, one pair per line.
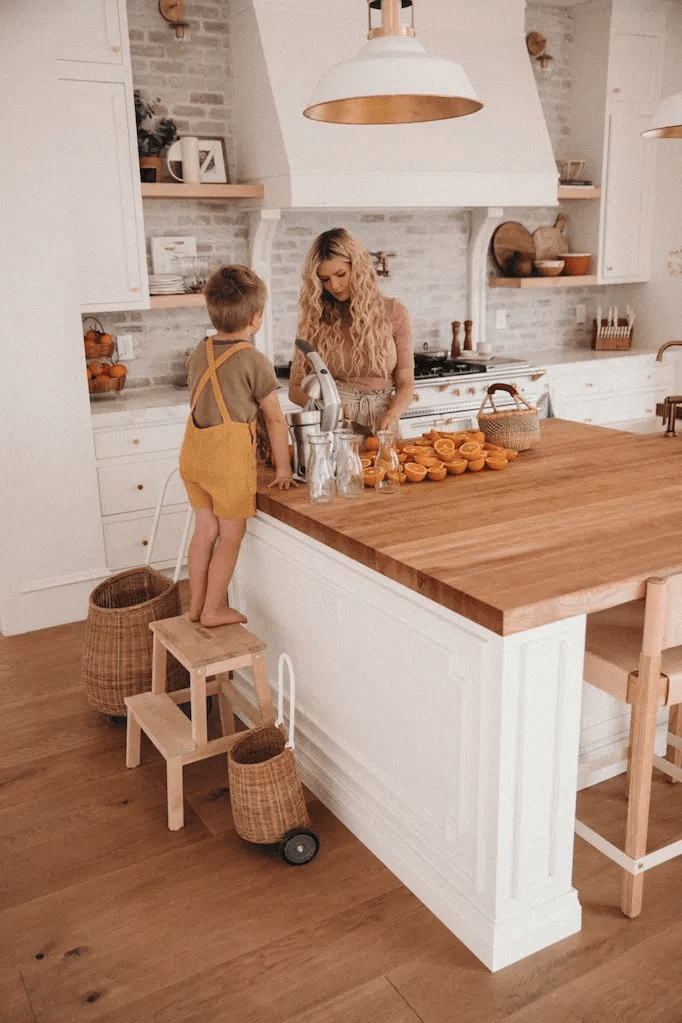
244, 379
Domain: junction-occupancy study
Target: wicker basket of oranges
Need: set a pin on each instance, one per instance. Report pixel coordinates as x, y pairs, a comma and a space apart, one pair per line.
105, 377
98, 344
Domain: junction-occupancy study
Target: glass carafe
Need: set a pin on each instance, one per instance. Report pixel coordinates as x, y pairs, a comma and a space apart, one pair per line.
320, 470
350, 481
387, 459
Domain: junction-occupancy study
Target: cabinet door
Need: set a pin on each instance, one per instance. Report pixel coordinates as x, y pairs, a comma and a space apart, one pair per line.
90, 31
107, 203
628, 196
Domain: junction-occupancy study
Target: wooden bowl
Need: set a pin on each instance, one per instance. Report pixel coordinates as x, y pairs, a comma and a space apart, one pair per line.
576, 264
549, 267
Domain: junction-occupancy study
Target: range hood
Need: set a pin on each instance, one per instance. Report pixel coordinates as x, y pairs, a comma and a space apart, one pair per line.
499, 156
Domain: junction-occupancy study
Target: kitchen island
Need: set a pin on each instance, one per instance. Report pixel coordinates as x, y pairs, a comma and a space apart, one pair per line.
437, 637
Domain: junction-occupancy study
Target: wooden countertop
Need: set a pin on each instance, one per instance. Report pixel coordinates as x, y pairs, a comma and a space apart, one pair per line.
576, 524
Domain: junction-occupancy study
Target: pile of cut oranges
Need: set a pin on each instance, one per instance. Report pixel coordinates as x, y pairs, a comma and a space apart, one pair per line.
437, 454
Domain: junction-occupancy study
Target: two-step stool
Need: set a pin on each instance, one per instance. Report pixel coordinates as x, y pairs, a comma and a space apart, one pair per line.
205, 653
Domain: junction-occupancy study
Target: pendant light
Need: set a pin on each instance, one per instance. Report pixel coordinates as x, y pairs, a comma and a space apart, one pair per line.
393, 80
667, 121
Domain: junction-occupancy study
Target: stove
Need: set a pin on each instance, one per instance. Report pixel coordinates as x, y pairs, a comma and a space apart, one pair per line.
426, 369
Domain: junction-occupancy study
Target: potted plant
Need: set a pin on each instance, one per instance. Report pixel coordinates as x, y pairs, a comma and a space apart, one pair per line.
153, 137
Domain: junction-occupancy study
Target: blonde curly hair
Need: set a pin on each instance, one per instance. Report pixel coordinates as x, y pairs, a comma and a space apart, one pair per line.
320, 313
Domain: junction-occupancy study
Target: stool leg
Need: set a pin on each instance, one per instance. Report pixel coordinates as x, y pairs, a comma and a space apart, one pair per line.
266, 711
674, 755
176, 812
159, 657
642, 738
133, 736
197, 682
224, 705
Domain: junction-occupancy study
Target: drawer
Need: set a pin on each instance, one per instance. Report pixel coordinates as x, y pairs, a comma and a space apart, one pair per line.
608, 410
126, 540
139, 440
136, 485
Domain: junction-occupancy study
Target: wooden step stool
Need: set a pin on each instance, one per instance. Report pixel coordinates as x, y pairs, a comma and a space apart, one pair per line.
205, 653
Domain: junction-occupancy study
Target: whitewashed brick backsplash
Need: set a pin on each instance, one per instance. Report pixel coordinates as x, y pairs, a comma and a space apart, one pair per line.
428, 273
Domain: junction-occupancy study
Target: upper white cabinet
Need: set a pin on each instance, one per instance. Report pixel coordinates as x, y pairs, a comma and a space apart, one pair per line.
100, 148
617, 84
91, 31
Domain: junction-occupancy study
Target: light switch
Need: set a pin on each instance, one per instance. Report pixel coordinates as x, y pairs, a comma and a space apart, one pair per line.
124, 347
580, 313
501, 319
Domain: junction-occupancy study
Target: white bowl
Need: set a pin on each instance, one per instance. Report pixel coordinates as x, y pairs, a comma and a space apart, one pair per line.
549, 267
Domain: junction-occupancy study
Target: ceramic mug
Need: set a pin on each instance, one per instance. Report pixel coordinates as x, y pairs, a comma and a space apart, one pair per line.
186, 149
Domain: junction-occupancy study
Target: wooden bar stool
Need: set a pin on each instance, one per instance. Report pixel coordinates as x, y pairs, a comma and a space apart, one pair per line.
206, 654
634, 652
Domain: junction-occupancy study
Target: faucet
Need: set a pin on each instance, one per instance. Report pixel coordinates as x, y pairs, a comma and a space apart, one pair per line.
668, 344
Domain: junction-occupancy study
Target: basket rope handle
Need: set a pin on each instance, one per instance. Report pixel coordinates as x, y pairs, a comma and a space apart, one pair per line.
510, 389
285, 659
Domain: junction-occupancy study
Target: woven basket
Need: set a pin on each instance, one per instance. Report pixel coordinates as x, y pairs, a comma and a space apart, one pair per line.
117, 654
265, 789
517, 428
97, 349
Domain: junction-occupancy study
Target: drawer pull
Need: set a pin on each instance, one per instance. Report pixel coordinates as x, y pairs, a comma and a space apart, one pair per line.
145, 543
140, 486
136, 441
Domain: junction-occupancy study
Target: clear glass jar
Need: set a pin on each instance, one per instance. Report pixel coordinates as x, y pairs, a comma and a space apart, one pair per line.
350, 481
320, 469
387, 459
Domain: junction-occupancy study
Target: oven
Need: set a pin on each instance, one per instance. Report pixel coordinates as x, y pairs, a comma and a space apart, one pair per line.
449, 396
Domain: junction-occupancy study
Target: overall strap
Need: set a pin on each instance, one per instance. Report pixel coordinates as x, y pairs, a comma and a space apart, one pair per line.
210, 374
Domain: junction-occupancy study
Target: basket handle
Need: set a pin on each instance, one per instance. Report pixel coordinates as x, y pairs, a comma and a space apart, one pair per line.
510, 389
285, 659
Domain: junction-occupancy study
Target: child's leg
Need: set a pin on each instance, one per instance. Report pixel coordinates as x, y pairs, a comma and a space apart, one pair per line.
199, 557
215, 610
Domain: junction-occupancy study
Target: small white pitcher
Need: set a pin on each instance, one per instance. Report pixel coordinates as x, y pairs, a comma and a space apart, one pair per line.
186, 149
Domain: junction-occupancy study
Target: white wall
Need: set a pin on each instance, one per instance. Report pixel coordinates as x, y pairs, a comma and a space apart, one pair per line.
49, 509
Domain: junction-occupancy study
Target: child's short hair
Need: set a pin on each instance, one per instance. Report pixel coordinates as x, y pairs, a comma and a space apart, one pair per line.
234, 293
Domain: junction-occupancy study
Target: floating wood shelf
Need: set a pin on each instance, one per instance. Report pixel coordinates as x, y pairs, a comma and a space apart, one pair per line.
579, 192
585, 281
175, 301
169, 190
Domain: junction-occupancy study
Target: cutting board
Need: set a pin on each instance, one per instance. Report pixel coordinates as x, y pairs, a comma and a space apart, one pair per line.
550, 241
508, 239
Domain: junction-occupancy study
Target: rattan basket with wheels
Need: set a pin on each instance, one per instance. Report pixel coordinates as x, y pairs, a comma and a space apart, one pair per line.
517, 428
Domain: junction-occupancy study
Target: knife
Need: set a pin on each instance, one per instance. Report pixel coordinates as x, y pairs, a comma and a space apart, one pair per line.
360, 428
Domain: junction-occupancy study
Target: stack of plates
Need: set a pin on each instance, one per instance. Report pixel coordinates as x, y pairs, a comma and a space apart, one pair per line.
166, 284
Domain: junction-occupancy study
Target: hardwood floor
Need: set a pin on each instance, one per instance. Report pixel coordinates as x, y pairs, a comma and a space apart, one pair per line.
107, 916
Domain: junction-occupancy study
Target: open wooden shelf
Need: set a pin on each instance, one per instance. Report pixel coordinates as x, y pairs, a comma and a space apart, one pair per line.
585, 281
175, 301
579, 192
170, 190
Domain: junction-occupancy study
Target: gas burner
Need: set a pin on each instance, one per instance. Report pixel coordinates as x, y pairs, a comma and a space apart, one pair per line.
447, 368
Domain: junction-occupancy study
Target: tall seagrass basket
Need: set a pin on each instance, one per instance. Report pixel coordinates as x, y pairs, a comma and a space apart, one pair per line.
117, 650
517, 428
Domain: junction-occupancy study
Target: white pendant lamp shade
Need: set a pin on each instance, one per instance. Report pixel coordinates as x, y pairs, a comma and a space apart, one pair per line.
667, 121
393, 80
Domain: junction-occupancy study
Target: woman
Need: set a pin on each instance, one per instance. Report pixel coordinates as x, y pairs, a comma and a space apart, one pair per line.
364, 338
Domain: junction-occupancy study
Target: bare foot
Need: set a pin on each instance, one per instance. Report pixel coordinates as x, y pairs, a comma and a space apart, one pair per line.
227, 617
194, 616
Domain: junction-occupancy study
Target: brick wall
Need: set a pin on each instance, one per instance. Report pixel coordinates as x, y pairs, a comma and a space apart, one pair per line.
429, 271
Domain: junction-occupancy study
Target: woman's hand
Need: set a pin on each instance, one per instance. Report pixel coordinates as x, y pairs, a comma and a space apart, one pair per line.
388, 422
283, 480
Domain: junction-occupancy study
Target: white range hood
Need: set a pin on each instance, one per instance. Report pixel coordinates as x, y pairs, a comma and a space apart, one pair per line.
499, 156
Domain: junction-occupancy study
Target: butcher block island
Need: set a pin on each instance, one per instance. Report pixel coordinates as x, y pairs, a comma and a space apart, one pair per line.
438, 636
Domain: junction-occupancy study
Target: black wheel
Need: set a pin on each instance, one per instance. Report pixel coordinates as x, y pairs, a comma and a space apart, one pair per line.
299, 846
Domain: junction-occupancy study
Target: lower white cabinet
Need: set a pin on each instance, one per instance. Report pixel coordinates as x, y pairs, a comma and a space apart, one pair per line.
610, 389
133, 464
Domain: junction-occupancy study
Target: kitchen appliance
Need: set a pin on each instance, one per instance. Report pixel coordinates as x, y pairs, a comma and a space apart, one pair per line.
322, 413
449, 396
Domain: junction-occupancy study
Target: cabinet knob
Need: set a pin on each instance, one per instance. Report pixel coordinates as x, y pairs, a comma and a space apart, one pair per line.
145, 543
609, 268
116, 49
136, 441
140, 486
471, 390
616, 90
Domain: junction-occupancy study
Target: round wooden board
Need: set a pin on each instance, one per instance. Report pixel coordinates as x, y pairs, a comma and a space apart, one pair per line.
550, 241
509, 238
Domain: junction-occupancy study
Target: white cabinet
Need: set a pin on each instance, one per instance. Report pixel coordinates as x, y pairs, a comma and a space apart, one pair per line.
612, 101
100, 155
133, 463
610, 389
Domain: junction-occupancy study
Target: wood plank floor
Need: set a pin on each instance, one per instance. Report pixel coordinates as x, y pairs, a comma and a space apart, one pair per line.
107, 916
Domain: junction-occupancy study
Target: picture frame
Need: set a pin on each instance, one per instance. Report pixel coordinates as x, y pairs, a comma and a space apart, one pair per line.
213, 161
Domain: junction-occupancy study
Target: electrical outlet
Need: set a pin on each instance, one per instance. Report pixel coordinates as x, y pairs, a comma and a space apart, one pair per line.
124, 347
501, 319
580, 313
